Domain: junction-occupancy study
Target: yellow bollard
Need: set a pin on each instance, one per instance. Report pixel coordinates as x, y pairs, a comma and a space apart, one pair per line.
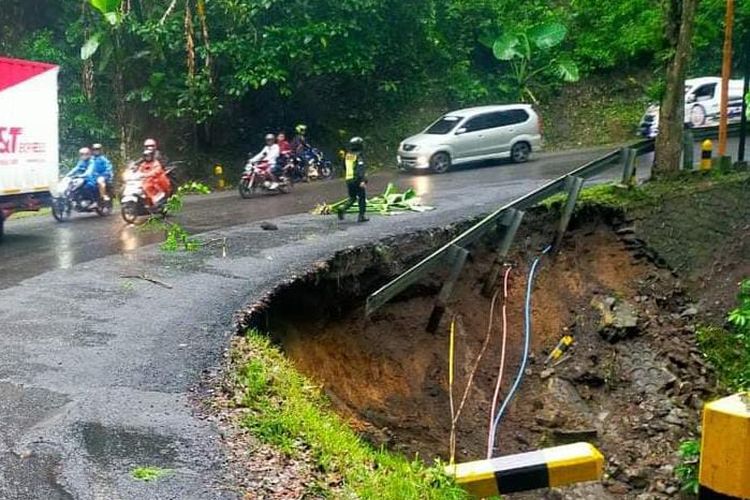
219, 172
725, 449
707, 148
546, 468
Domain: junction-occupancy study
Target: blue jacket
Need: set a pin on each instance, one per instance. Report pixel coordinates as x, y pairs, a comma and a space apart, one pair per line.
81, 168
101, 167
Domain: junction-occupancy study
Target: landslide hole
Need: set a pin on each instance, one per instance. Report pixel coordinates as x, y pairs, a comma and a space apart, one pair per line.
388, 376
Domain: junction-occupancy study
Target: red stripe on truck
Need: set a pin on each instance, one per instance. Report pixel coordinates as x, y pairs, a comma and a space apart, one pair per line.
15, 71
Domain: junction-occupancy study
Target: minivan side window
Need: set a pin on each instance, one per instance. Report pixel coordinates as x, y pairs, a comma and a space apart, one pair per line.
705, 92
510, 117
479, 122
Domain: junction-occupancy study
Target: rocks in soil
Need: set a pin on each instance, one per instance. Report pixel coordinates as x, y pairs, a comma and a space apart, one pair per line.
618, 319
268, 226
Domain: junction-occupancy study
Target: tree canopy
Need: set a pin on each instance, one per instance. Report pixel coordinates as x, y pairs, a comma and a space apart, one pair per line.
214, 73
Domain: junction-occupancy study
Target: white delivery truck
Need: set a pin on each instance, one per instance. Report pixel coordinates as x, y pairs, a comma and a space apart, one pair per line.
702, 105
29, 157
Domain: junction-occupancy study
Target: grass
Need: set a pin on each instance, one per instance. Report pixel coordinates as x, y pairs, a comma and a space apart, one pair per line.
650, 194
147, 474
290, 413
687, 470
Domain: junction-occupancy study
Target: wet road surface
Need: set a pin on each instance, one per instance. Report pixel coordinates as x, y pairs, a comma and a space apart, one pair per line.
38, 244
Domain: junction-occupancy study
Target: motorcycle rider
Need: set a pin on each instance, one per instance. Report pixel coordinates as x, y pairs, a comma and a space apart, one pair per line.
156, 184
285, 148
152, 145
356, 179
84, 168
102, 171
299, 142
269, 155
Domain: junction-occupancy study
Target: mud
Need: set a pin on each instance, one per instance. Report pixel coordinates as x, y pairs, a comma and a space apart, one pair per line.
635, 398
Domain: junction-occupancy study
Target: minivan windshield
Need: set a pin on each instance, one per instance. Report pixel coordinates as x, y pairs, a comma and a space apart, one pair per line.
444, 125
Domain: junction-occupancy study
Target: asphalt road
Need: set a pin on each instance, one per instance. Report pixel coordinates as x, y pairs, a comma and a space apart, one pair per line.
38, 244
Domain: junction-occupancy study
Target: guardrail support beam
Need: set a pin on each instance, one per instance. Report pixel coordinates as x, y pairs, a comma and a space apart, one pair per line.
458, 257
511, 223
688, 151
573, 186
629, 157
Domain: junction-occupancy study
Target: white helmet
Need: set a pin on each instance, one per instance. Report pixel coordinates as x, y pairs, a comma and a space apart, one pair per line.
84, 152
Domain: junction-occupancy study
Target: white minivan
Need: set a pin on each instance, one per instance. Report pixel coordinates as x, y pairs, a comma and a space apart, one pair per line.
702, 105
487, 132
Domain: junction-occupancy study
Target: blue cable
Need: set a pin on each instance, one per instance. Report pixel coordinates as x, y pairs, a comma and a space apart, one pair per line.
527, 342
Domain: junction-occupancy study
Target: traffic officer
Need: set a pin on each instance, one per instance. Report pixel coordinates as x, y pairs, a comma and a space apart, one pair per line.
356, 179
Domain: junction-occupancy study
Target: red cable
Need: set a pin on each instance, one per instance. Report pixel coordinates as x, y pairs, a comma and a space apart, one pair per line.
502, 363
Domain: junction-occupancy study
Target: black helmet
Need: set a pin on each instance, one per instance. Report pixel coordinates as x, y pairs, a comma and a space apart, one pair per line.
356, 143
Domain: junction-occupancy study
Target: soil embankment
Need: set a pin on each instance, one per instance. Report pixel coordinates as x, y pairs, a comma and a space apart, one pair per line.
633, 382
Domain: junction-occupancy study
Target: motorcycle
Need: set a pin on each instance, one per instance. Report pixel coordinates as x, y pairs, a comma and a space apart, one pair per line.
257, 177
71, 195
316, 165
133, 200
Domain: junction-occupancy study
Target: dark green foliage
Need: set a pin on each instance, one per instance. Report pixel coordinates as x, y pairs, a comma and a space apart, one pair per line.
728, 350
215, 75
687, 470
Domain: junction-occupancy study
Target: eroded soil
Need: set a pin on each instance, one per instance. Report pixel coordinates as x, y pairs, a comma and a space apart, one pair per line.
635, 397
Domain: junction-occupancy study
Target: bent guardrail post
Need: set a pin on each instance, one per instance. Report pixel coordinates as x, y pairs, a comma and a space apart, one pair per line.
725, 454
546, 468
511, 223
629, 157
573, 186
458, 255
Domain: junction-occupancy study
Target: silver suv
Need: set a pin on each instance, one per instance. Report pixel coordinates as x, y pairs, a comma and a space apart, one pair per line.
487, 132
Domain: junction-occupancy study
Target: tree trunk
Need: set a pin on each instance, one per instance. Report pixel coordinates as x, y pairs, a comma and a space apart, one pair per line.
680, 20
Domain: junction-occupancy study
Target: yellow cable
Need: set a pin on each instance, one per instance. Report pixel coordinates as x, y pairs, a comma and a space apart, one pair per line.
450, 393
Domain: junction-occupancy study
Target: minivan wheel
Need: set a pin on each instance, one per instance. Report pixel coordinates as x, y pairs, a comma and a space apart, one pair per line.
698, 116
520, 152
440, 163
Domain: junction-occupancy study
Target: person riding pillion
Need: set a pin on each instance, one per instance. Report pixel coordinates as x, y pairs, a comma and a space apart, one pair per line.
102, 171
156, 184
356, 179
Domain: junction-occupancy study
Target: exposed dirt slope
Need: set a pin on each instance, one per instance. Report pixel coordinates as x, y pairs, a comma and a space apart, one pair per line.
635, 398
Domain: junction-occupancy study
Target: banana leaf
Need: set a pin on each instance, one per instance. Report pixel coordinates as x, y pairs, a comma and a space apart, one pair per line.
391, 202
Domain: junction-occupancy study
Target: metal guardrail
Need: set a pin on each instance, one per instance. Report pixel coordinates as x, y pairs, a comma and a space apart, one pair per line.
591, 169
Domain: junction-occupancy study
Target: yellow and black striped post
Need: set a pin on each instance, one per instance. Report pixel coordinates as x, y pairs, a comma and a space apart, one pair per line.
707, 149
219, 173
547, 468
725, 449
